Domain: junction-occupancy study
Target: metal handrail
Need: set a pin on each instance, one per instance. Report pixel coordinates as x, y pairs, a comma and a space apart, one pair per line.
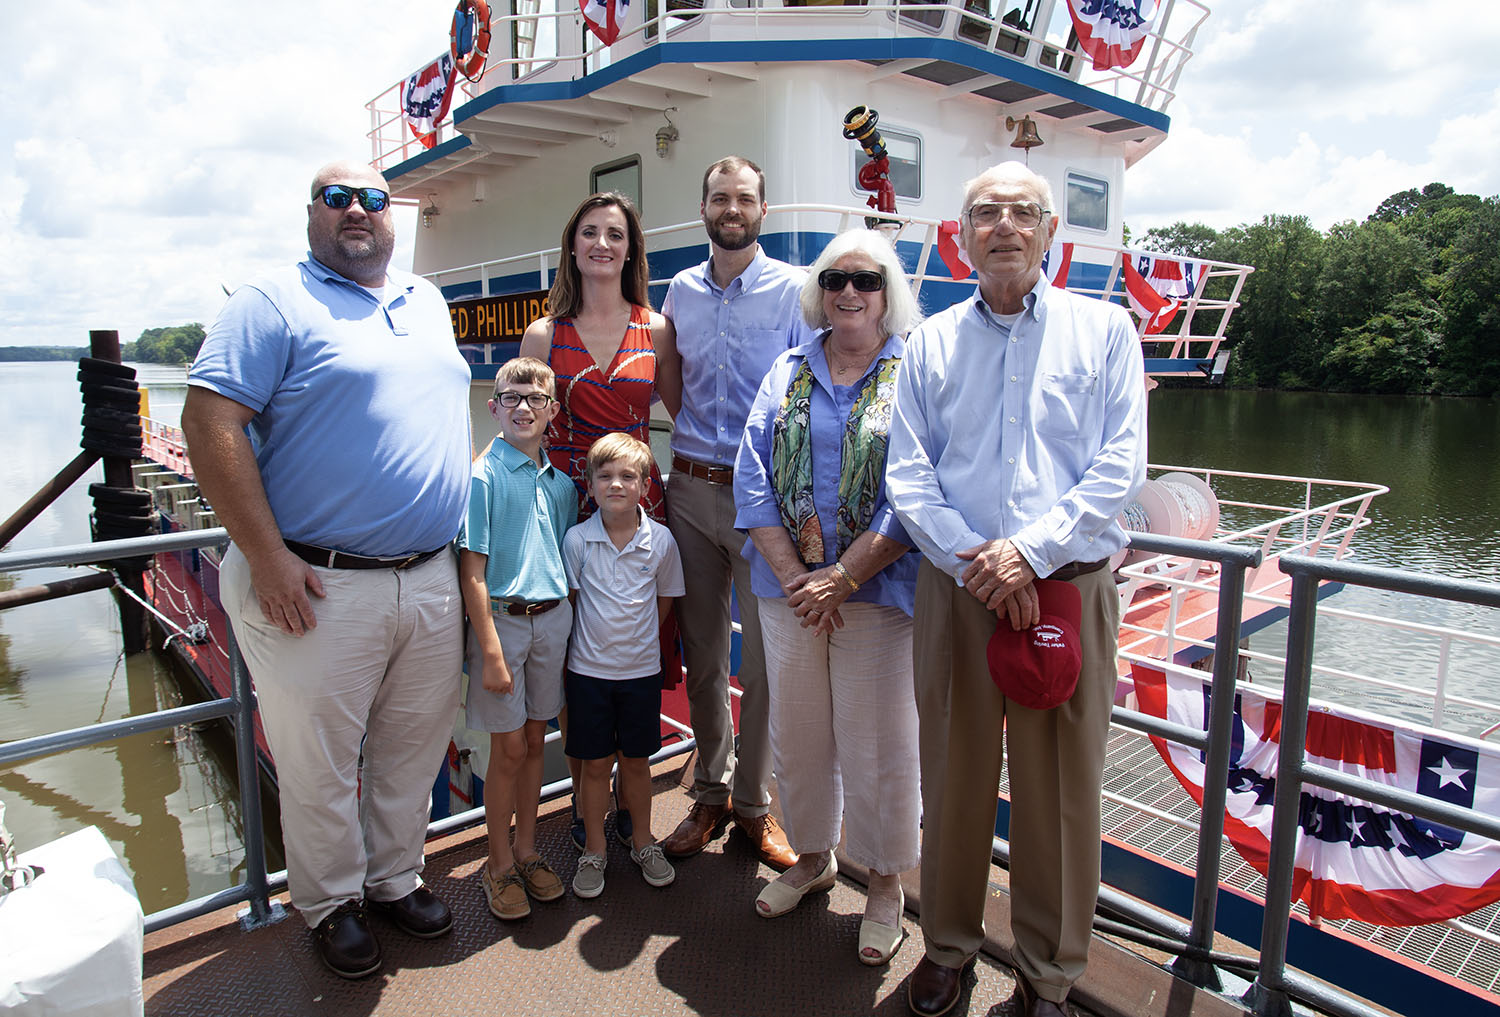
240, 705
1152, 84
1184, 341
1274, 986
1271, 993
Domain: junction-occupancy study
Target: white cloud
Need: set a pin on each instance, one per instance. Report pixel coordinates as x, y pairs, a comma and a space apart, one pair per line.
1325, 110
163, 149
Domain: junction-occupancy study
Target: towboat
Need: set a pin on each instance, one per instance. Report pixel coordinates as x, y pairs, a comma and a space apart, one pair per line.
876, 113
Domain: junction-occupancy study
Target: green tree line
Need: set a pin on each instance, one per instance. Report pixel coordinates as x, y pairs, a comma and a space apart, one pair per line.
13, 354
175, 344
1407, 301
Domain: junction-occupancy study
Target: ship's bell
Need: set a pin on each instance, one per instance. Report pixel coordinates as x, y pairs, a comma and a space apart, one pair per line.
1026, 136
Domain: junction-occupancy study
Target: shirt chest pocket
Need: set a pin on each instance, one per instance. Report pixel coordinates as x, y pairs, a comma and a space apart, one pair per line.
1068, 405
756, 351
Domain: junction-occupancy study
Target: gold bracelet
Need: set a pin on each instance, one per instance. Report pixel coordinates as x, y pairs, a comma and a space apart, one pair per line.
838, 567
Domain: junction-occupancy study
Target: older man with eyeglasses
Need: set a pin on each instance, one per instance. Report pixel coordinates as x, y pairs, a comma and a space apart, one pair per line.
327, 415
1019, 435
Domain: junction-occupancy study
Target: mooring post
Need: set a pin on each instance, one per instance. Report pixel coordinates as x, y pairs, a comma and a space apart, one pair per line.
104, 344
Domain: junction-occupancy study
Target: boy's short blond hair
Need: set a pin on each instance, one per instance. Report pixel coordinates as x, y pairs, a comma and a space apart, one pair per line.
526, 371
620, 446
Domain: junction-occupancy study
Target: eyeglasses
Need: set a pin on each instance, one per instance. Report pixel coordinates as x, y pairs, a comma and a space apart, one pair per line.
833, 280
371, 199
536, 400
1024, 215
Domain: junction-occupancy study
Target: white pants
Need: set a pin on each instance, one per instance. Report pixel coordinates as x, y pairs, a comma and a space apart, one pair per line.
844, 733
380, 671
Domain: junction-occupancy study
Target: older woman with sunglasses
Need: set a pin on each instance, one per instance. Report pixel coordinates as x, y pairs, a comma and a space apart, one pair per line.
835, 576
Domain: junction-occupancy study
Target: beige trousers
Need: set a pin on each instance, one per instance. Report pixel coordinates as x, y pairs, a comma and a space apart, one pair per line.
844, 733
1057, 766
701, 518
379, 675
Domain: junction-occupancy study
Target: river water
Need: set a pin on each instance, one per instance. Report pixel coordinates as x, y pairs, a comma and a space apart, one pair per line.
167, 804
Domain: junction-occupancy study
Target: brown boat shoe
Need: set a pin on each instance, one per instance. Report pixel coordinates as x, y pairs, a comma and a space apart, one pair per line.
768, 840
541, 882
505, 894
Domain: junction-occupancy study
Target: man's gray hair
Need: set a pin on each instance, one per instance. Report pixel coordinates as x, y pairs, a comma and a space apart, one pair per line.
1009, 172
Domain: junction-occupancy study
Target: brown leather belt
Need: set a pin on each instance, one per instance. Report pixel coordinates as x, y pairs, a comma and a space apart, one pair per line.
330, 559
712, 474
1074, 569
523, 607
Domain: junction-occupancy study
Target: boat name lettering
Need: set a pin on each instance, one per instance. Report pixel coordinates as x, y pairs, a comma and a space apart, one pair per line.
495, 319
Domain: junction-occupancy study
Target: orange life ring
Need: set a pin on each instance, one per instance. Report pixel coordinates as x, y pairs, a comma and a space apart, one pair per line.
471, 16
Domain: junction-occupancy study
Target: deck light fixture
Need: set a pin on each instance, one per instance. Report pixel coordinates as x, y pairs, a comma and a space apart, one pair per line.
431, 212
667, 133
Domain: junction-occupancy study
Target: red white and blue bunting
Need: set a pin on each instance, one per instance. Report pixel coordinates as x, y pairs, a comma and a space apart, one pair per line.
1157, 287
1112, 32
1353, 860
604, 18
425, 97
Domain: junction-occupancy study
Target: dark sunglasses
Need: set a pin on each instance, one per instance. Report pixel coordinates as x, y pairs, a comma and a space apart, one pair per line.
371, 199
833, 280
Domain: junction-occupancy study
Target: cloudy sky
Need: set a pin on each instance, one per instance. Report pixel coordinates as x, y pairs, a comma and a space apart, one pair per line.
152, 151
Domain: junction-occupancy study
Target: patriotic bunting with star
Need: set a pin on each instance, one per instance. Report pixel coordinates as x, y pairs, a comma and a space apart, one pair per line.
425, 98
1353, 859
1112, 32
1157, 286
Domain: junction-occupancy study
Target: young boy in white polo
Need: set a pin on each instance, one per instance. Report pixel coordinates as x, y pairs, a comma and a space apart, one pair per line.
624, 571
516, 592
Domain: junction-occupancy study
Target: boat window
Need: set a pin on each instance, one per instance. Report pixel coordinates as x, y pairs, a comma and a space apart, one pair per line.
1087, 201
930, 18
533, 35
689, 10
623, 175
904, 149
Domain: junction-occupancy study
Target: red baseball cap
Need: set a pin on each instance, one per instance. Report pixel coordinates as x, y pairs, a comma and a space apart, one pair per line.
1038, 667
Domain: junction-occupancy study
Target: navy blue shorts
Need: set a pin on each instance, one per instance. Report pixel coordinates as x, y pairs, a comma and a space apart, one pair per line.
605, 717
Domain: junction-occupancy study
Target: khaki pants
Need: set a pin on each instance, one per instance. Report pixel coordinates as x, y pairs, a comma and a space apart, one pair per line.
1057, 766
844, 733
701, 518
380, 670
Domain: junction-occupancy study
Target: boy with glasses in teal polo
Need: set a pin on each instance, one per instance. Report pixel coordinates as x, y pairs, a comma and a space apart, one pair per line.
515, 590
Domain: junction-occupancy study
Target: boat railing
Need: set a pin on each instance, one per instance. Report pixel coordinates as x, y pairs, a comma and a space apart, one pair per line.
1274, 986
1310, 516
1191, 340
544, 41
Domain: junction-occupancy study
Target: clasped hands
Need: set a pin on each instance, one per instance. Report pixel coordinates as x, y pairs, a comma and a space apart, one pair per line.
815, 596
1003, 581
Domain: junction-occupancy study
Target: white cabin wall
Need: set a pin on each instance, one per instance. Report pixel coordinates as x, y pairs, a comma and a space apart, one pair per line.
790, 122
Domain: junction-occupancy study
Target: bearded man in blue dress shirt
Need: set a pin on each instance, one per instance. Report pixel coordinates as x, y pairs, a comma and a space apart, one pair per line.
1019, 436
734, 315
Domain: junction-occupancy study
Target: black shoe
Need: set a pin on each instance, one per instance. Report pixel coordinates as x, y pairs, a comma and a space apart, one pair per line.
624, 828
577, 832
420, 913
345, 942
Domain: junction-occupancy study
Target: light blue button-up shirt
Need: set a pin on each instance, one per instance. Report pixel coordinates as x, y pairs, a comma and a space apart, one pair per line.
728, 339
756, 503
518, 514
1035, 432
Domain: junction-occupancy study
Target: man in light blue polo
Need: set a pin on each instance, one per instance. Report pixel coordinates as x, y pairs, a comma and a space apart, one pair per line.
1018, 437
733, 314
341, 584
